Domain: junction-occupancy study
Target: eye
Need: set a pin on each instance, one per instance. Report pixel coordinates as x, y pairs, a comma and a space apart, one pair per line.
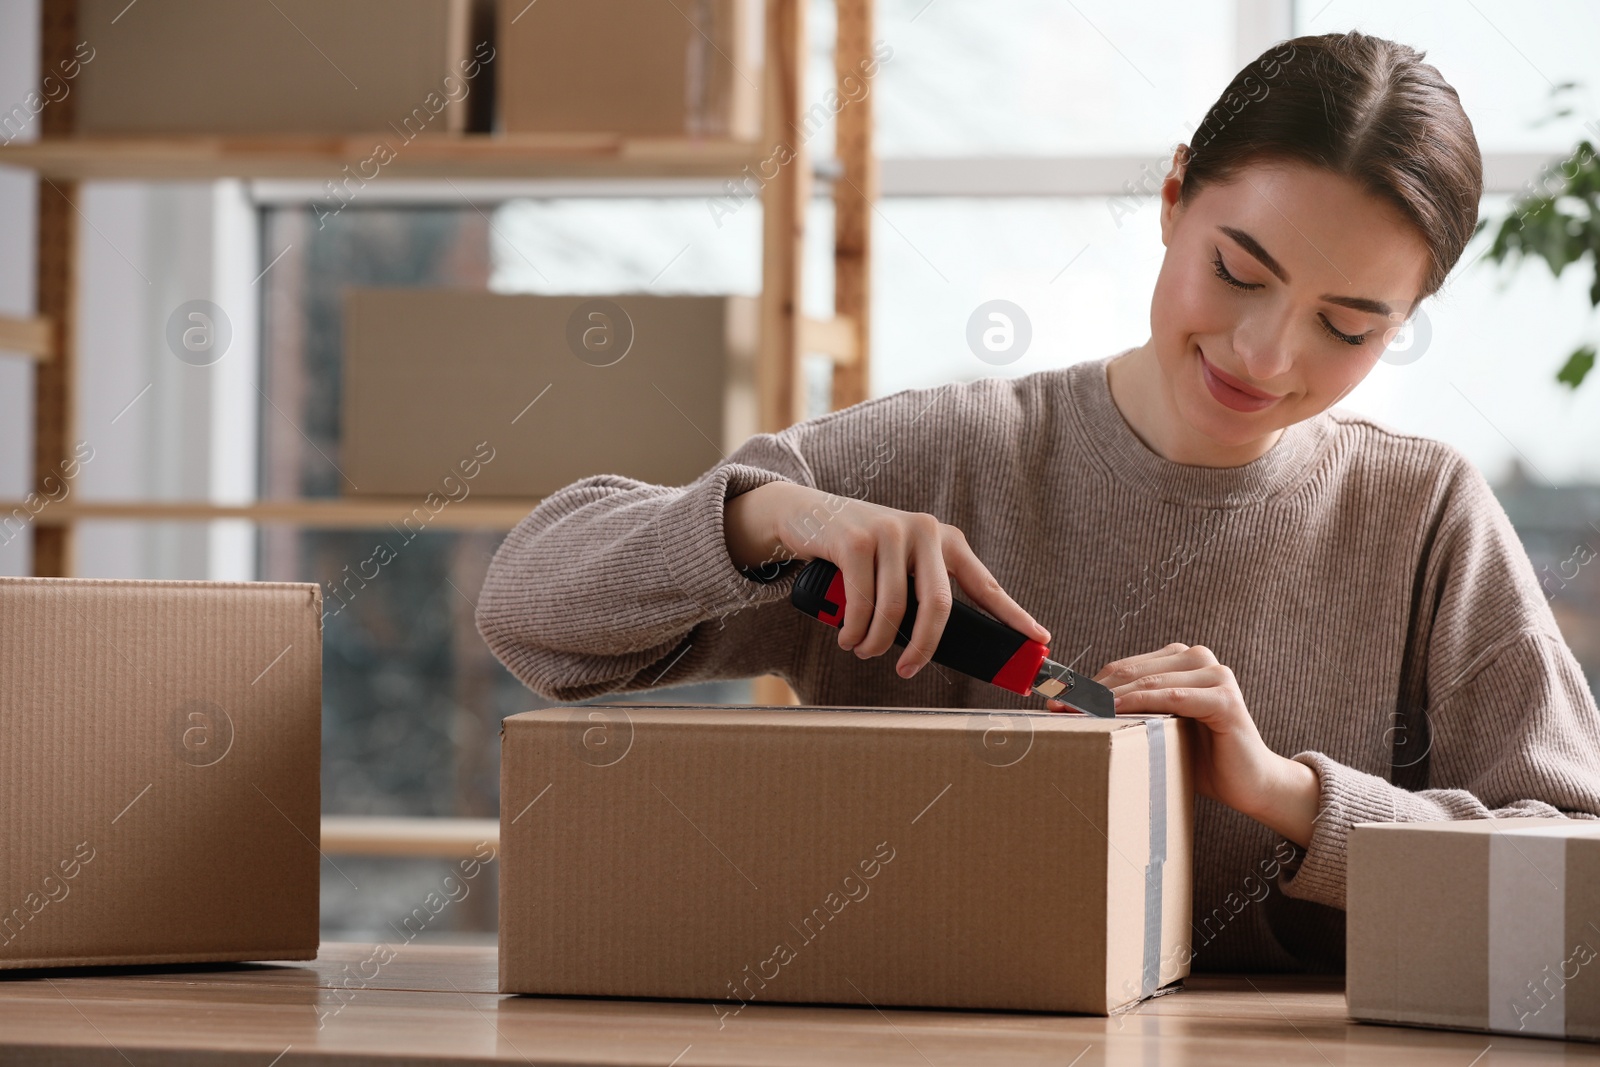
1221, 271
1349, 339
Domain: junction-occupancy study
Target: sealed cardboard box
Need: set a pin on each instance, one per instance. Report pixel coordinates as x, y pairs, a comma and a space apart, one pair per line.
911, 857
456, 392
1484, 924
629, 67
159, 771
399, 68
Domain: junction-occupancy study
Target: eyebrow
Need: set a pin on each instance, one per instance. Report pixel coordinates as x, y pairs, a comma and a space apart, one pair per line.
1251, 245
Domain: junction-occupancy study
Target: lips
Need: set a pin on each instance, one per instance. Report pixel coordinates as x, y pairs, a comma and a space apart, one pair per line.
1231, 392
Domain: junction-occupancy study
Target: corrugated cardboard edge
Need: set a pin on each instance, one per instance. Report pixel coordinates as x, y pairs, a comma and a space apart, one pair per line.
1373, 989
168, 583
1175, 986
19, 966
381, 341
1379, 935
1174, 791
1427, 1024
262, 955
1168, 900
1154, 879
500, 881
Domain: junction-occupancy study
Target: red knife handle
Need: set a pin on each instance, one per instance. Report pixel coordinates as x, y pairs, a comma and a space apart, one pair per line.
972, 642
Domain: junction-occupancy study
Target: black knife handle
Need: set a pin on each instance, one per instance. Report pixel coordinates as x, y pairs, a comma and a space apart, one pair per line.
972, 642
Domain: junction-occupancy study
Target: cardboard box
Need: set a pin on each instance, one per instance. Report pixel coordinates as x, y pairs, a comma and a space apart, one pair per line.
629, 67
906, 857
159, 771
1486, 924
286, 67
456, 392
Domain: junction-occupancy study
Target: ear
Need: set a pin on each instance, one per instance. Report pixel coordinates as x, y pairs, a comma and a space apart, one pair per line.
1171, 185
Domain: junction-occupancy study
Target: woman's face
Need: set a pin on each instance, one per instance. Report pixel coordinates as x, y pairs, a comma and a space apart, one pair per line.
1278, 293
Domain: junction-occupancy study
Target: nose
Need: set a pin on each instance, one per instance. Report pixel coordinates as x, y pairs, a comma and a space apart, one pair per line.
1264, 346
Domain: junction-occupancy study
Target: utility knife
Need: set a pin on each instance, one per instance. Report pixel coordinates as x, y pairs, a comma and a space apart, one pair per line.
973, 643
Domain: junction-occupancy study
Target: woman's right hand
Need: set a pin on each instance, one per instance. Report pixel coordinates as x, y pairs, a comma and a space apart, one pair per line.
875, 548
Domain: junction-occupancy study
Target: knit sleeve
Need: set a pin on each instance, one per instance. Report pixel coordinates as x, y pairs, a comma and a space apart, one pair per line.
616, 585
613, 584
1509, 724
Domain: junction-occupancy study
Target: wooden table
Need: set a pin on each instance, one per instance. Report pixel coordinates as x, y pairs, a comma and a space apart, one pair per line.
437, 1004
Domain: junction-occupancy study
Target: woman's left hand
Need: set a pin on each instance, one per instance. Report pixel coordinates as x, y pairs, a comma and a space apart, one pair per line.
1233, 764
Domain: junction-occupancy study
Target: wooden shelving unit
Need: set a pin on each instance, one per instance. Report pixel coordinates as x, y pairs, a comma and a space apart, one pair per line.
63, 160
463, 156
381, 835
362, 513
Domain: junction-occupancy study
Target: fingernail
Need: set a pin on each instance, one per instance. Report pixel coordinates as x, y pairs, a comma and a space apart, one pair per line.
1116, 702
906, 670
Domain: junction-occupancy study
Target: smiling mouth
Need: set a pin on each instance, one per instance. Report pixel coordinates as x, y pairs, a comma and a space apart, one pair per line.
1230, 391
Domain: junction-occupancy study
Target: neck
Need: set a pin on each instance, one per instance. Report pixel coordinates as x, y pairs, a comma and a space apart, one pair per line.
1143, 394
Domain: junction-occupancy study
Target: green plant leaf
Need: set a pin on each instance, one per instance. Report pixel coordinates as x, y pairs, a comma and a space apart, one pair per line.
1538, 225
1577, 367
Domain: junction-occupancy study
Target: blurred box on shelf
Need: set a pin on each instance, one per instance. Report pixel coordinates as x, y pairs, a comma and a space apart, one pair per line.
454, 392
160, 771
908, 857
399, 68
691, 68
1481, 924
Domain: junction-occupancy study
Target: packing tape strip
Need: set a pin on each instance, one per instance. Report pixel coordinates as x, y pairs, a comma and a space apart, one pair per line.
1527, 928
1156, 740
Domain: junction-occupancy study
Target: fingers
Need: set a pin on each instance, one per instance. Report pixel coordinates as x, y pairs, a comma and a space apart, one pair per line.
1131, 667
856, 565
883, 556
934, 603
891, 599
1204, 693
984, 590
1178, 679
1204, 704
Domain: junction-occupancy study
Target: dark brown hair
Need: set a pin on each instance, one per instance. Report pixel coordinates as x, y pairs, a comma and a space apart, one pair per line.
1362, 107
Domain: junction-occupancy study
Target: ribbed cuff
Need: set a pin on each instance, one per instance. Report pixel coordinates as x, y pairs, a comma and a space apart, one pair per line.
690, 538
1346, 796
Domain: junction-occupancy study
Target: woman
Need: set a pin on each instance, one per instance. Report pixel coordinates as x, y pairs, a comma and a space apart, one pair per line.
1344, 608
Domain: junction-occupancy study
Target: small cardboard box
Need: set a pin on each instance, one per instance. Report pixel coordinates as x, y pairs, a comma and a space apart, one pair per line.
456, 392
159, 771
911, 857
630, 68
1484, 924
285, 67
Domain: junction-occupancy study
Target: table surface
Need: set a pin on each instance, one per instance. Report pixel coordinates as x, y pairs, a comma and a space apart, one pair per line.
437, 1004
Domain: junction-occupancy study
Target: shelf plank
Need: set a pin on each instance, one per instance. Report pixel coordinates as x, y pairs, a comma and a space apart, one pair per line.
373, 157
835, 337
29, 336
366, 835
333, 514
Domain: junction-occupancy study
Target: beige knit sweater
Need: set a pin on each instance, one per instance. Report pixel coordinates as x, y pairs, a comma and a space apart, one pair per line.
1351, 573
